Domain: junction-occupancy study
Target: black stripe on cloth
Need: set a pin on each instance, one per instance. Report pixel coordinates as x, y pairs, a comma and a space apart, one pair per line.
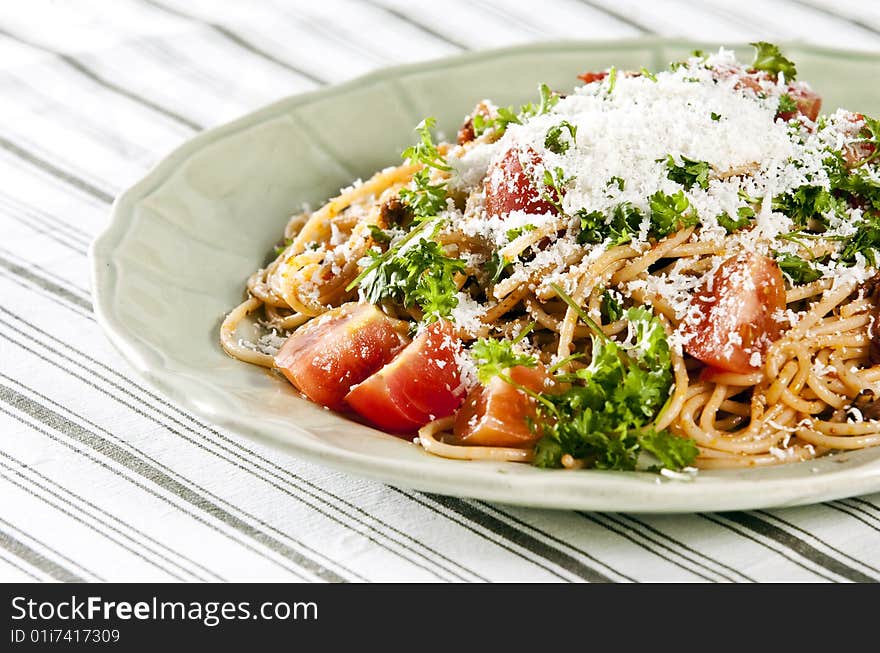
81, 68
102, 517
15, 565
846, 18
857, 513
237, 40
36, 559
803, 535
663, 542
519, 522
626, 19
55, 171
521, 539
314, 491
622, 531
44, 224
298, 491
46, 284
196, 517
46, 232
47, 275
92, 527
734, 528
801, 549
142, 467
409, 20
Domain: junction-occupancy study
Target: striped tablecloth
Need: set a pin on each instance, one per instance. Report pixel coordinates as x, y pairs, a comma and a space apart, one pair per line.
101, 479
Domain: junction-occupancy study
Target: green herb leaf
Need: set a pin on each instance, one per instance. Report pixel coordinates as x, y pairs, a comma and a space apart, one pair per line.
507, 115
425, 200
690, 172
612, 79
516, 232
605, 413
865, 241
786, 104
616, 181
715, 116
744, 218
425, 152
647, 73
796, 269
379, 235
670, 213
672, 451
422, 275
496, 266
769, 59
280, 248
556, 181
620, 224
554, 140
611, 307
492, 357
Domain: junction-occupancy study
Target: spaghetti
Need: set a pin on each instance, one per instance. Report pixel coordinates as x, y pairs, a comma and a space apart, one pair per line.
659, 270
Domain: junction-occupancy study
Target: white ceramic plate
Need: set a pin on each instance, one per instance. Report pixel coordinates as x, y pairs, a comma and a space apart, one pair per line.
182, 241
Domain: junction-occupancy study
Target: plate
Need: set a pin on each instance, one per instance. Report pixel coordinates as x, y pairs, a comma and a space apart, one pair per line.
182, 241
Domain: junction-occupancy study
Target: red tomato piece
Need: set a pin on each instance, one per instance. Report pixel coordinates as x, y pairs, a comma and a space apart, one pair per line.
509, 184
860, 151
498, 414
331, 353
420, 385
589, 78
808, 103
732, 319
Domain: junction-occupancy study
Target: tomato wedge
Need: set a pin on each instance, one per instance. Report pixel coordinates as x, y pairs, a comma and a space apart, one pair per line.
498, 414
421, 384
731, 320
342, 347
509, 184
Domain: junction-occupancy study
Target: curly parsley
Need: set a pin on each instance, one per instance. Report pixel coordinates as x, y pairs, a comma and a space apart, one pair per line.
604, 415
769, 59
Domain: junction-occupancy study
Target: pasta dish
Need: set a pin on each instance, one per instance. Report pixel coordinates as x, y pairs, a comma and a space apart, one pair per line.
661, 271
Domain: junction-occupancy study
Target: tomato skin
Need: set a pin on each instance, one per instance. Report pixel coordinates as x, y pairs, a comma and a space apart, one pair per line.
589, 78
808, 103
421, 384
342, 347
509, 187
498, 414
732, 316
860, 151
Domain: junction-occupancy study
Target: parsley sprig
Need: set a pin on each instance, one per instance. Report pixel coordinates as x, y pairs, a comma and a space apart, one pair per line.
508, 115
492, 357
421, 275
425, 151
689, 172
555, 140
669, 213
769, 59
797, 270
605, 414
424, 200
